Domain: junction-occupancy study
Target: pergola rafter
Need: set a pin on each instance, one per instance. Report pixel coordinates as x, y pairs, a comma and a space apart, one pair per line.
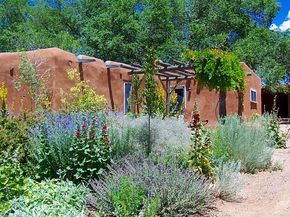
178, 71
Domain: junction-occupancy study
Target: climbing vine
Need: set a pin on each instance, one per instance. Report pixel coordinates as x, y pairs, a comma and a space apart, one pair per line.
217, 69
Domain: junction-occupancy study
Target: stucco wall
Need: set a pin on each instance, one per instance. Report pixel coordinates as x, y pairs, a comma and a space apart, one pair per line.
110, 83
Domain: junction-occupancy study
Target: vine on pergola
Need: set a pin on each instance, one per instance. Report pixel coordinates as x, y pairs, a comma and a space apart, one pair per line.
217, 69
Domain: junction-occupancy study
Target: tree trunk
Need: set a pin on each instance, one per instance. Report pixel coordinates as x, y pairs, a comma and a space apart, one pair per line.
222, 104
240, 102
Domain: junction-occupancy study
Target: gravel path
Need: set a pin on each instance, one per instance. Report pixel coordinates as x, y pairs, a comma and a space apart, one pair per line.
266, 194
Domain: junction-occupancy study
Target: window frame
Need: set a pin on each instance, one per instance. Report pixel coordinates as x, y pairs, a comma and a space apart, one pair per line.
184, 93
124, 92
251, 99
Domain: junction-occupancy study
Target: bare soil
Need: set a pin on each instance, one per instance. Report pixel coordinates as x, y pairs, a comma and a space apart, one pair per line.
265, 194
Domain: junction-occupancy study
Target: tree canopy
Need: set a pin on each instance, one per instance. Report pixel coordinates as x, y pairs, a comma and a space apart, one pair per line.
121, 30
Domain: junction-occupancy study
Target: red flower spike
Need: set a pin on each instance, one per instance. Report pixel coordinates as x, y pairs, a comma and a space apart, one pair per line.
105, 128
92, 134
94, 121
84, 126
78, 134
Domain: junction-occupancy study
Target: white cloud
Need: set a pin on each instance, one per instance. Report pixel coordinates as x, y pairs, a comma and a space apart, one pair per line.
274, 27
285, 26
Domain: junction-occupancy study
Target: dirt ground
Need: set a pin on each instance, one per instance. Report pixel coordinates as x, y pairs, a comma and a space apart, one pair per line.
266, 194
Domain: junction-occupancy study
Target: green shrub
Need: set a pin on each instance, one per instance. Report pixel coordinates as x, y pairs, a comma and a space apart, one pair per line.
244, 142
13, 136
82, 97
71, 146
128, 198
12, 180
122, 136
50, 198
273, 130
151, 207
200, 155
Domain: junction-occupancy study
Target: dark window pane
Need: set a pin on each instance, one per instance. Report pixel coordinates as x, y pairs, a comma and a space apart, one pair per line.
127, 91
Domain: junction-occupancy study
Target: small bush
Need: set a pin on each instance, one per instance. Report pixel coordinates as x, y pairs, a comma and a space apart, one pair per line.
82, 97
50, 198
14, 136
151, 207
244, 142
180, 192
200, 155
73, 146
227, 179
161, 129
12, 180
123, 136
128, 198
273, 130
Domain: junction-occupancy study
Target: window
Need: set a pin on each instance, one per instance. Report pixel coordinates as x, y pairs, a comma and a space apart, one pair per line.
127, 91
180, 92
253, 95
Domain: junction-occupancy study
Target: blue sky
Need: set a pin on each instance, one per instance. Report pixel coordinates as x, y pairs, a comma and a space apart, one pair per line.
282, 20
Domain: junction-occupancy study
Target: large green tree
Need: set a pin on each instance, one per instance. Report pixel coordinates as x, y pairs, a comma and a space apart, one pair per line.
121, 29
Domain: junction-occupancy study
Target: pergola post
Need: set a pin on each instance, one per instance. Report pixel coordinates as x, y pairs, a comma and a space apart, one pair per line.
164, 71
167, 96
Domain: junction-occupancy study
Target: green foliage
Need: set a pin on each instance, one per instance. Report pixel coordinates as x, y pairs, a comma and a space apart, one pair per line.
34, 82
22, 25
151, 99
82, 97
273, 128
244, 142
267, 52
71, 146
217, 69
50, 198
168, 190
12, 180
121, 30
151, 207
200, 155
123, 136
14, 137
128, 199
89, 153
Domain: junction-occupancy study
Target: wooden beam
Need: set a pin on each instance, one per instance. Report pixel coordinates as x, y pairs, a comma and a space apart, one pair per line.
176, 62
136, 72
178, 78
126, 66
172, 68
167, 96
164, 88
161, 63
177, 82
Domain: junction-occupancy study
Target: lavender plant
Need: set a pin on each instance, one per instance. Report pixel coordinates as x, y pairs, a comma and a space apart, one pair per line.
181, 192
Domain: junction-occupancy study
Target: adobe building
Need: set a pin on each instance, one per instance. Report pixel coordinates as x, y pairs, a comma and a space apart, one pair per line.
116, 83
282, 101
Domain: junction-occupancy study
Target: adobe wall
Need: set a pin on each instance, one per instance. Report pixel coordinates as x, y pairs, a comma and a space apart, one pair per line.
110, 83
55, 63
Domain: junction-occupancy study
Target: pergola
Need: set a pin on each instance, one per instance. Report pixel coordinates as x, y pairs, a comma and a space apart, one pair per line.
178, 71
